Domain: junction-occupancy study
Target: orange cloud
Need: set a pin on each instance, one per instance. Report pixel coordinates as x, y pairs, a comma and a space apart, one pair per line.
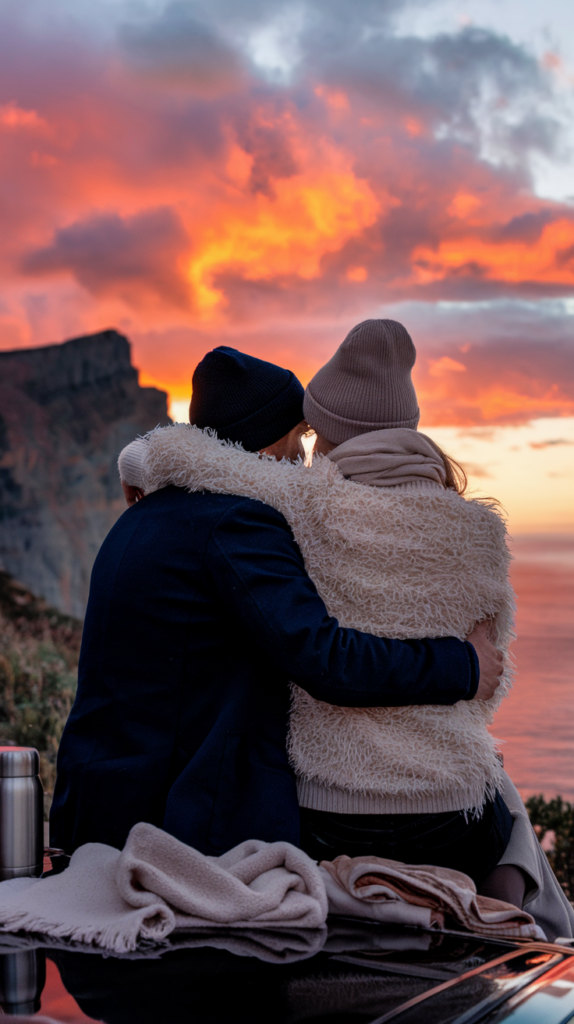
263, 237
549, 260
357, 274
336, 99
491, 404
413, 126
462, 205
438, 367
551, 61
13, 116
499, 384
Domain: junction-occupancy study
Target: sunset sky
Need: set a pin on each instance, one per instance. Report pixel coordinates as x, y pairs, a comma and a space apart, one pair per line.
266, 175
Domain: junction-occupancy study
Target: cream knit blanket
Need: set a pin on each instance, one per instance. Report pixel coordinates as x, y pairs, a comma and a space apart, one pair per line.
158, 884
389, 561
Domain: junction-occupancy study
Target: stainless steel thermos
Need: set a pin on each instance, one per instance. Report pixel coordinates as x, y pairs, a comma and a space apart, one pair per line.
21, 813
22, 979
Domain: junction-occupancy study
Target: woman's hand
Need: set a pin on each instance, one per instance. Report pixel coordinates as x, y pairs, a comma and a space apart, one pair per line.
490, 660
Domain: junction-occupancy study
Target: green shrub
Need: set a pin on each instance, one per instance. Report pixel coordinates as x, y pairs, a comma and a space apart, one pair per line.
556, 816
39, 650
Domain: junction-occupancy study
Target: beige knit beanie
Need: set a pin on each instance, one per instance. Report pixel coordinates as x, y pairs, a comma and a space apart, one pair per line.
366, 385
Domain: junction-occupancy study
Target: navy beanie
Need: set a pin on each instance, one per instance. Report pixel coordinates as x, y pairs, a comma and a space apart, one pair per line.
245, 399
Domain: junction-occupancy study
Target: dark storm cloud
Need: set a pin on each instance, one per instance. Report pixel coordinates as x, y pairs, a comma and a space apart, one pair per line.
131, 255
329, 20
527, 227
473, 85
177, 49
272, 156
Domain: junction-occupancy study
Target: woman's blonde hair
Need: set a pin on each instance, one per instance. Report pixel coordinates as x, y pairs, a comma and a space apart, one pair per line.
456, 478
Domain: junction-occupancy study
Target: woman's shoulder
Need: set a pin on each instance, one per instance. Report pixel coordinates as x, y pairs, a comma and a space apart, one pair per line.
483, 513
432, 504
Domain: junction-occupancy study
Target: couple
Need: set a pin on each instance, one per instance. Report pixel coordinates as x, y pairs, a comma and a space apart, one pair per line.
202, 611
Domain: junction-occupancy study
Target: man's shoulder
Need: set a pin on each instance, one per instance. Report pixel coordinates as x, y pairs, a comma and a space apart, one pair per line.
208, 504
174, 520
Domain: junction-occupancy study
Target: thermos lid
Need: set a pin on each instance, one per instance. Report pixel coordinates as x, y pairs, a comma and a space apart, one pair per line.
16, 762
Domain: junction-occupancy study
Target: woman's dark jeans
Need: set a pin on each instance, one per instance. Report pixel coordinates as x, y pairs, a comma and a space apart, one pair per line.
452, 840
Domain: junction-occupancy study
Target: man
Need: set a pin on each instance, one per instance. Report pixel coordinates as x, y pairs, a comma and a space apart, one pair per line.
200, 612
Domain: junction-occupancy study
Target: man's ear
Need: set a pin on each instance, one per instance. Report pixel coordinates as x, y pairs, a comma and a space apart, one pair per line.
132, 494
288, 446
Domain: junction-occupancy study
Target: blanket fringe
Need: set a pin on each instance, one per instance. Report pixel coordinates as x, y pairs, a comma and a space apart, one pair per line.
109, 936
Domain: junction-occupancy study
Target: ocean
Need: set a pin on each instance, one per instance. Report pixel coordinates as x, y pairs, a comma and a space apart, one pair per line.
536, 722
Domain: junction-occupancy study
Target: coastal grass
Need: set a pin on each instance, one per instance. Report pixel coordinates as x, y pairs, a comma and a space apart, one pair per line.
553, 820
39, 649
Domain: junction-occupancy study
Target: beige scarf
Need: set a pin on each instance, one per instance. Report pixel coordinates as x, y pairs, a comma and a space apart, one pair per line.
385, 458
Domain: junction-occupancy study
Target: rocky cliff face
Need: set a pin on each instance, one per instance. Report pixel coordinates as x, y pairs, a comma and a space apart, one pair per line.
66, 411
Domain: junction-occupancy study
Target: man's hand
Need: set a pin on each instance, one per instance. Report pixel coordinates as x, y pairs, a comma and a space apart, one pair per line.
489, 659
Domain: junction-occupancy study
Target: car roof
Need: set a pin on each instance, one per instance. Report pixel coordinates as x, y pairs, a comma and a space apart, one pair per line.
349, 973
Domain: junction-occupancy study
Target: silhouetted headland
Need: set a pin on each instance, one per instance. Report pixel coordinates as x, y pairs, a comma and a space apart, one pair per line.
66, 411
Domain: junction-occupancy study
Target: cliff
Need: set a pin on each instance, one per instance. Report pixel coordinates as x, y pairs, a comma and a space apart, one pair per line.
66, 411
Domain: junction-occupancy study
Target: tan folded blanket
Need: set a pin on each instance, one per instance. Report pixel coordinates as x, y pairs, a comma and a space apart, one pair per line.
389, 890
157, 885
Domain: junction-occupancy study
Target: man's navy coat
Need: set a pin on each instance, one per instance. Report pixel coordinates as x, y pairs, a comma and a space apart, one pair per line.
200, 612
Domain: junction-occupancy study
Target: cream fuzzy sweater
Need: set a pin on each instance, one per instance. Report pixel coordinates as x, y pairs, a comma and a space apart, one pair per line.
408, 562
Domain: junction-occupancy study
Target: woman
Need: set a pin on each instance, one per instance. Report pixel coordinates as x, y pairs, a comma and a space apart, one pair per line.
393, 549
